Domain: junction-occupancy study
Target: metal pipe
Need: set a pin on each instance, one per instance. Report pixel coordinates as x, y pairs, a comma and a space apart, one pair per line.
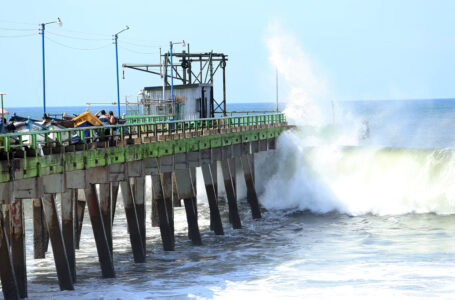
44, 68
116, 64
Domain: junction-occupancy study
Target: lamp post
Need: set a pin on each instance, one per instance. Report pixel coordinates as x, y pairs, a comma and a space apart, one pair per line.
43, 27
3, 113
172, 75
116, 68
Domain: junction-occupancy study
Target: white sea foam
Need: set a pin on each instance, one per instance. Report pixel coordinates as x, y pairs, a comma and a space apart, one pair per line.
313, 170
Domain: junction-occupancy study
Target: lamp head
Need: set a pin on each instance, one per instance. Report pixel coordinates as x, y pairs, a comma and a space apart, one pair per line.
59, 22
183, 43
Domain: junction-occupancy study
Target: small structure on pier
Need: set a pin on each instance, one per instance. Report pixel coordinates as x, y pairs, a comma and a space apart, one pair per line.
196, 74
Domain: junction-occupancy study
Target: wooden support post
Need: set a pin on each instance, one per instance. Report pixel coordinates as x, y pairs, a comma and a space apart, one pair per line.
114, 191
65, 279
139, 201
106, 207
186, 191
167, 192
193, 180
213, 202
102, 245
7, 275
68, 198
160, 204
18, 246
40, 234
133, 224
7, 218
175, 197
251, 191
214, 170
80, 210
229, 185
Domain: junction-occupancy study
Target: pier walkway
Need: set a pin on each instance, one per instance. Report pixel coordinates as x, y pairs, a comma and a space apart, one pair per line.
36, 166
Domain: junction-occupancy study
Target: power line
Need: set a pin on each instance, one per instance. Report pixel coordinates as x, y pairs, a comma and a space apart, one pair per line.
76, 48
16, 29
16, 36
138, 52
78, 38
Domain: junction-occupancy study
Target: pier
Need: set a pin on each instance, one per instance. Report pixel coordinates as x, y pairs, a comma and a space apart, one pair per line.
103, 160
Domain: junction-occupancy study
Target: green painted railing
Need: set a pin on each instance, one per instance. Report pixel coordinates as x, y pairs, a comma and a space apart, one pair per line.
135, 119
71, 136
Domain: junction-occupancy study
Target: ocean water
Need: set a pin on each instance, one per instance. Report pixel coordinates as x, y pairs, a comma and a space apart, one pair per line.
344, 217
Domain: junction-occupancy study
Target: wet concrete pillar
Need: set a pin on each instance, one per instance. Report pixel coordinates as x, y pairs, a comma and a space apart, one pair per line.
175, 197
7, 274
114, 195
251, 190
133, 224
167, 193
68, 198
166, 230
102, 245
65, 279
79, 214
40, 234
139, 200
194, 182
106, 211
185, 191
215, 217
18, 246
228, 168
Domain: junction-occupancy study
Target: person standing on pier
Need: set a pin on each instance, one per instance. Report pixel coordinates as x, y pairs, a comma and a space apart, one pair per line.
112, 118
103, 117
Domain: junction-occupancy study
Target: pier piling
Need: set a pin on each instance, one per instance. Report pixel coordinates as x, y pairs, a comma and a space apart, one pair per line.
139, 201
106, 207
228, 168
185, 191
7, 275
40, 234
251, 191
132, 221
167, 193
80, 210
18, 246
215, 217
102, 245
65, 280
166, 230
114, 191
68, 198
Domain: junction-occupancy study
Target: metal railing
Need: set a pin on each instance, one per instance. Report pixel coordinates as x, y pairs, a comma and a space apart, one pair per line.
83, 135
135, 119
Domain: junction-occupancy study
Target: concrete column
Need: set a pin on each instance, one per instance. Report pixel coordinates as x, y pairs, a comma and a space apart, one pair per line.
229, 184
65, 279
114, 195
139, 201
7, 275
106, 211
79, 214
251, 191
215, 217
185, 191
175, 197
68, 198
167, 231
18, 246
102, 245
40, 234
133, 224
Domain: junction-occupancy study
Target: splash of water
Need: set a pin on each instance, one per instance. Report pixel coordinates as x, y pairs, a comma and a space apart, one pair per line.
314, 170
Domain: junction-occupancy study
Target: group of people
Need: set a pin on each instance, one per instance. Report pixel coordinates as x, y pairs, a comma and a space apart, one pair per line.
107, 119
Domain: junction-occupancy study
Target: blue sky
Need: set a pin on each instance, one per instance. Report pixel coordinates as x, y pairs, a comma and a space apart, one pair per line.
362, 49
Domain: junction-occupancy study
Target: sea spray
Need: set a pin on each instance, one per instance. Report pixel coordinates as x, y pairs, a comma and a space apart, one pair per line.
313, 169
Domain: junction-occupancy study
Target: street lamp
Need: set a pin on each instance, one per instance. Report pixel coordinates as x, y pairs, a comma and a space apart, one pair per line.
116, 64
43, 26
172, 75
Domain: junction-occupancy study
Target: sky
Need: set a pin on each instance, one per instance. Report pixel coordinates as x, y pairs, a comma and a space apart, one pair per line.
363, 50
